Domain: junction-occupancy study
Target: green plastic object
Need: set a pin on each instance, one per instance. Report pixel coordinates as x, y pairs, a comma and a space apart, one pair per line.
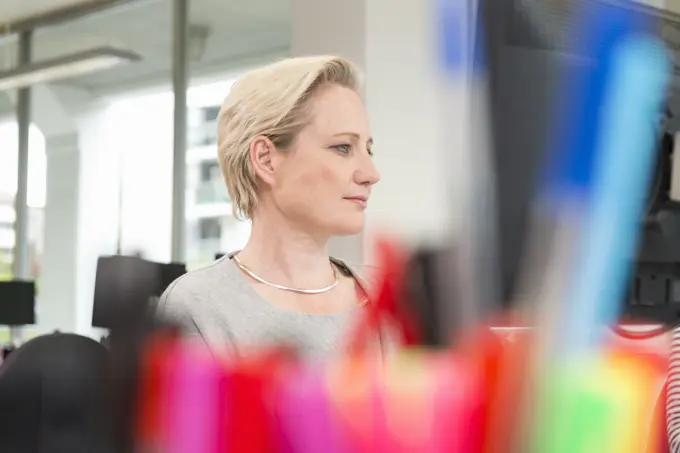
577, 413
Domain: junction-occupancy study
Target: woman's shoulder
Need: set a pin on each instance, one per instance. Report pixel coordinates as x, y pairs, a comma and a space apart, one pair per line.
199, 288
367, 275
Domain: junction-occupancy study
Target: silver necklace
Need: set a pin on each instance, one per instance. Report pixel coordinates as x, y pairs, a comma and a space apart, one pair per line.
256, 277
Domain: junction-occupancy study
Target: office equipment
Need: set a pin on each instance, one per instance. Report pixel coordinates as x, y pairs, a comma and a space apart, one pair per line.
17, 303
126, 287
521, 61
123, 288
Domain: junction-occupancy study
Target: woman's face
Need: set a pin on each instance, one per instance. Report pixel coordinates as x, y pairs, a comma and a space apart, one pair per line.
323, 182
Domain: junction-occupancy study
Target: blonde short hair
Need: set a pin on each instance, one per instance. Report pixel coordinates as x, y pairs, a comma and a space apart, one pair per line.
271, 101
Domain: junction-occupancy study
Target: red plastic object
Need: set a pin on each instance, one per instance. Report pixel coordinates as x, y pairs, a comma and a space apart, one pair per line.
623, 332
486, 350
507, 385
156, 363
658, 440
250, 422
387, 305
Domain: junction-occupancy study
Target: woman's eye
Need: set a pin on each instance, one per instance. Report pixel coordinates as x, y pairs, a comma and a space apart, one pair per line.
343, 148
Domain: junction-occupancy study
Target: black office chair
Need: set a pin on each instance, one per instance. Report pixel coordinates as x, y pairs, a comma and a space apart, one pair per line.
53, 397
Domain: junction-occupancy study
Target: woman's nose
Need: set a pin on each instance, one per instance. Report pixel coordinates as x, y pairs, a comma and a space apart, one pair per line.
367, 174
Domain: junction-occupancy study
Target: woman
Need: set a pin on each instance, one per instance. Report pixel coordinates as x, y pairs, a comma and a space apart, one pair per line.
294, 146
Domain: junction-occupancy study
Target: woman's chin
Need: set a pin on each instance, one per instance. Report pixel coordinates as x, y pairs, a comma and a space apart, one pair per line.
349, 228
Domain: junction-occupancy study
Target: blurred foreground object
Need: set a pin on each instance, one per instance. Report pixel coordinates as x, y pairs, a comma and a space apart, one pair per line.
53, 397
420, 400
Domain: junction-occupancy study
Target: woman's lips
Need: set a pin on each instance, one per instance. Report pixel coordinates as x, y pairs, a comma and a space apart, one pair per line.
360, 200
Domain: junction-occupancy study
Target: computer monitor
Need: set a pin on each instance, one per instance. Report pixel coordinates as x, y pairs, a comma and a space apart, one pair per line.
169, 273
124, 286
526, 46
17, 303
521, 62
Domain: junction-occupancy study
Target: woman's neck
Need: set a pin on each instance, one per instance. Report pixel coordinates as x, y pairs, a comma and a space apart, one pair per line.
282, 254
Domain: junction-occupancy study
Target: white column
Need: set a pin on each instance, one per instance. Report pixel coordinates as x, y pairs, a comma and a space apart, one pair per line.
81, 223
81, 206
57, 300
394, 44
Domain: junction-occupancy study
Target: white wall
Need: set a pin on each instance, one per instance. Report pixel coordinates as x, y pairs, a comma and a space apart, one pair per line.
395, 47
235, 234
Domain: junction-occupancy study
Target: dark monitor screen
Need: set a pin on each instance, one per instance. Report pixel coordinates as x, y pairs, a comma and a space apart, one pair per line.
526, 47
521, 63
124, 286
17, 303
527, 43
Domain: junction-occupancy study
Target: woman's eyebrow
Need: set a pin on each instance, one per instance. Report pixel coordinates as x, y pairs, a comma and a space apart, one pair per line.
355, 135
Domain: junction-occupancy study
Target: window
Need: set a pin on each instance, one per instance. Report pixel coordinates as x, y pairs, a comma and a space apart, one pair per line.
5, 264
210, 114
203, 127
37, 180
210, 171
209, 221
210, 228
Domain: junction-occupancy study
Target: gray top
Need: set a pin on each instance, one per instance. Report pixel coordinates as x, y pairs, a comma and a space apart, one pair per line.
217, 305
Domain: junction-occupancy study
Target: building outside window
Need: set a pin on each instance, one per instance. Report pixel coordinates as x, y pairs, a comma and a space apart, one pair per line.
211, 225
146, 177
37, 180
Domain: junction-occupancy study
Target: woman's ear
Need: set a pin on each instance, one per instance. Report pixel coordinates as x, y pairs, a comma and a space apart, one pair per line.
261, 153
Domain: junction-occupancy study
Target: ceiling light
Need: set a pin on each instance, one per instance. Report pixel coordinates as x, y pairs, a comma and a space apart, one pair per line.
68, 66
